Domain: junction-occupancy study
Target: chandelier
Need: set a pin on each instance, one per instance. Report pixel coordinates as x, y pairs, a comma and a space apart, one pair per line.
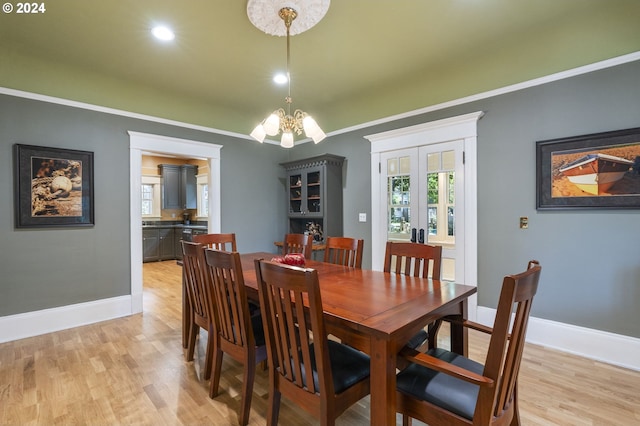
282, 120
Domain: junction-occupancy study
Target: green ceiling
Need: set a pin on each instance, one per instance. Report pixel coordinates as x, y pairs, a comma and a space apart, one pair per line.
366, 60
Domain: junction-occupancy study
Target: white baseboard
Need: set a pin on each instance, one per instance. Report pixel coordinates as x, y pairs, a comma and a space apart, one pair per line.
616, 349
20, 326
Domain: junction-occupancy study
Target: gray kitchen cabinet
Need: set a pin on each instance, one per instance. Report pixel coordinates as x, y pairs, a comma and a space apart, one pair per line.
150, 245
166, 244
179, 187
158, 244
314, 195
189, 186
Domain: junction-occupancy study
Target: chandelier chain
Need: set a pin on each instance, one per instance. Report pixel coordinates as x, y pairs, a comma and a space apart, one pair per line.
281, 120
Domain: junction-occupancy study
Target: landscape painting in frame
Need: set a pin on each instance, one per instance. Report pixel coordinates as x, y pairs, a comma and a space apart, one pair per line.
600, 170
53, 187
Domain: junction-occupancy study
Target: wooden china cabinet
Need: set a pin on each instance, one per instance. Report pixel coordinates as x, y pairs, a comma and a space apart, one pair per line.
314, 195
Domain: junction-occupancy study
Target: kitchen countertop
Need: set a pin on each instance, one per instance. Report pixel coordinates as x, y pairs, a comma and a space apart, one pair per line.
160, 224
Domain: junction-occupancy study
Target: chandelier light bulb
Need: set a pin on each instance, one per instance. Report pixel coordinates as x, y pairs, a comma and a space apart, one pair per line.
287, 140
312, 130
259, 133
319, 136
272, 125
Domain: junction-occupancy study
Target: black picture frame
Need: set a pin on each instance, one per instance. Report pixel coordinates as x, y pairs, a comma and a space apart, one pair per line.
53, 187
566, 168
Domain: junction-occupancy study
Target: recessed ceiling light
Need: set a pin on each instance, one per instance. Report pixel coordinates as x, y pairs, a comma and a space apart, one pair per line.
163, 33
280, 78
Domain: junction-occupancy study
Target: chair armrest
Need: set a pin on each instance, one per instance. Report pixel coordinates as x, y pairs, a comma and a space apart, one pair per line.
434, 363
469, 324
477, 326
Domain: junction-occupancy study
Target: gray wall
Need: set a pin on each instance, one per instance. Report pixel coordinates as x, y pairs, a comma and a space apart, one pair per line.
591, 266
45, 268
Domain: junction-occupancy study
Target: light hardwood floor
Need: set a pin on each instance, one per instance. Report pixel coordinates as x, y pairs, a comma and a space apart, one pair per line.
132, 371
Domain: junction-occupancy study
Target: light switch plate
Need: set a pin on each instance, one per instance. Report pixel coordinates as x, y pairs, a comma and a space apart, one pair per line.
524, 222
362, 217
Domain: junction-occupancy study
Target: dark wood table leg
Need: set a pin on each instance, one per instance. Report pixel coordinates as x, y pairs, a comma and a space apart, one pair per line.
383, 382
460, 334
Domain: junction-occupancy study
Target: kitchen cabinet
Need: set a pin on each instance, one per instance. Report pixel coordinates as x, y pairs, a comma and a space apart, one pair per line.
150, 240
179, 187
158, 244
314, 195
166, 244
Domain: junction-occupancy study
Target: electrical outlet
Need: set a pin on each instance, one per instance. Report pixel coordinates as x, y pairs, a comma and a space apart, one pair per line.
362, 217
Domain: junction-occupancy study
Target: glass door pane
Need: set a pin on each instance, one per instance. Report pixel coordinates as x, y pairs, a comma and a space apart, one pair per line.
396, 170
440, 166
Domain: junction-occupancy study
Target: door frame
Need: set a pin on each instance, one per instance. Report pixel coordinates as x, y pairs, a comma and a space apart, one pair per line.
449, 129
145, 142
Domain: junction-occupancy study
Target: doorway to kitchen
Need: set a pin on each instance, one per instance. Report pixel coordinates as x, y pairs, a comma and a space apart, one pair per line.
144, 142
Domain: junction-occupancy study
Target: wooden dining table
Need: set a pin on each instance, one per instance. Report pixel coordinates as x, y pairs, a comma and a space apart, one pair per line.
379, 312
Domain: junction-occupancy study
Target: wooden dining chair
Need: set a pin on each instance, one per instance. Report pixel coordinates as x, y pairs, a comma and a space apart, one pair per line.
444, 388
199, 299
225, 242
322, 376
344, 251
297, 243
418, 260
240, 334
415, 259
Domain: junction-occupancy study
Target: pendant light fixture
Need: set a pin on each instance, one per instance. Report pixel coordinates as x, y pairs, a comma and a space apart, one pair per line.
281, 120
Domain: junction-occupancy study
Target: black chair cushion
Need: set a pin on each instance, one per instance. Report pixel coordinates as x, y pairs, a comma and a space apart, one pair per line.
441, 389
254, 308
418, 339
348, 366
258, 329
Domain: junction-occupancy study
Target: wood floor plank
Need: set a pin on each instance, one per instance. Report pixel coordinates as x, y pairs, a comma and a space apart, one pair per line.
132, 371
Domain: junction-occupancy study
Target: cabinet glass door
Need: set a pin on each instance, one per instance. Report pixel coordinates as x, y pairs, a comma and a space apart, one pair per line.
314, 193
305, 193
295, 194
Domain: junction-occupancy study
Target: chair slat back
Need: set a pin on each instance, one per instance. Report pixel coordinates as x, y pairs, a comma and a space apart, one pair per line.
290, 328
413, 259
224, 242
224, 271
297, 243
193, 270
344, 251
504, 354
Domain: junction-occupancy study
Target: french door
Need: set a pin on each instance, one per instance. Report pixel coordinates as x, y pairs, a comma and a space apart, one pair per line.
425, 177
424, 193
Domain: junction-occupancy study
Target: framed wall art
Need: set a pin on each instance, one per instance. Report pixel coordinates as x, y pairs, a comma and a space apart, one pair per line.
53, 187
600, 170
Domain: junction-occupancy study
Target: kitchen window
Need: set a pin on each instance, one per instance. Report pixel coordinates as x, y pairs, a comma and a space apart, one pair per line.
151, 197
